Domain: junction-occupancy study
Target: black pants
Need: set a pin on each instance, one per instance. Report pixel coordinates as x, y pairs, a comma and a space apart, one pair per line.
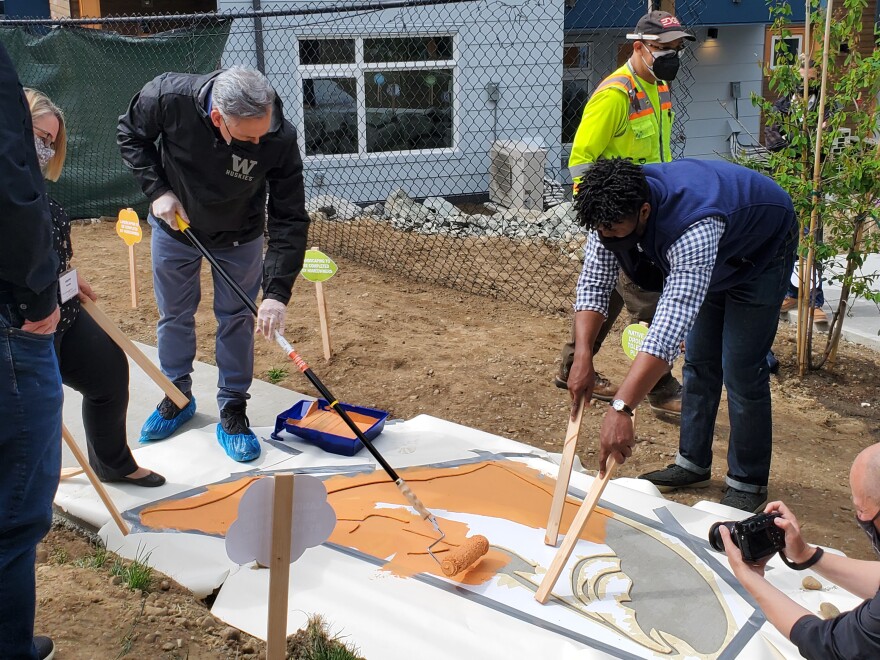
93, 365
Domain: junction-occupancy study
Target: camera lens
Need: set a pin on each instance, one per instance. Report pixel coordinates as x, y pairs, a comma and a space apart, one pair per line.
715, 540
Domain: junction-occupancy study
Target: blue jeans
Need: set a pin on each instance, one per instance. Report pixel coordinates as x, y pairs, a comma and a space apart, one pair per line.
30, 461
728, 344
176, 282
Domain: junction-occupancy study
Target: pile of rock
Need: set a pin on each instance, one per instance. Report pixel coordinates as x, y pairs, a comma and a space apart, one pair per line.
439, 216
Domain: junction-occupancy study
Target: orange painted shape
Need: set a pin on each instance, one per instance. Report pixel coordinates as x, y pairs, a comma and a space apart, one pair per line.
499, 489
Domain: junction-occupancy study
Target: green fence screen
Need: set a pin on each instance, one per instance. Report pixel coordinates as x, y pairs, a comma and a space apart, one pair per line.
92, 75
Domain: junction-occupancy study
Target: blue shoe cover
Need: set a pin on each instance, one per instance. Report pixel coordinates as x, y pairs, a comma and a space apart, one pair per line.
158, 428
241, 447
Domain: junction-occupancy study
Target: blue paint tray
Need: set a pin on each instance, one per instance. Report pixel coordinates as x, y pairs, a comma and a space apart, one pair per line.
324, 428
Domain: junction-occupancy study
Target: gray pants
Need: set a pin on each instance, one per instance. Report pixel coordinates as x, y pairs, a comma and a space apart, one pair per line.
176, 282
641, 306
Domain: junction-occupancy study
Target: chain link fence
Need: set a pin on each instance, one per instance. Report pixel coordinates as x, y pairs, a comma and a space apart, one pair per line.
435, 135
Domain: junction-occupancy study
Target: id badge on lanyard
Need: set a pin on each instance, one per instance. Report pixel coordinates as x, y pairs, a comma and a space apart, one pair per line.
68, 285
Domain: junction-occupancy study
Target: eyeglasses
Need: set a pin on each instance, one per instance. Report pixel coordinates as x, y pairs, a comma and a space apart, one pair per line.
45, 137
663, 49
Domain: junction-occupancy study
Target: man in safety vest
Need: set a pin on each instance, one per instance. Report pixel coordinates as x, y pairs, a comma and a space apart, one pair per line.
630, 116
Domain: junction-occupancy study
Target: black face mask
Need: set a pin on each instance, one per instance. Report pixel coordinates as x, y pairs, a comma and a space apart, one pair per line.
666, 66
622, 244
869, 529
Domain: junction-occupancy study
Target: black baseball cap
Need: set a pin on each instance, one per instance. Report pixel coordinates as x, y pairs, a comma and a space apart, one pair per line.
661, 27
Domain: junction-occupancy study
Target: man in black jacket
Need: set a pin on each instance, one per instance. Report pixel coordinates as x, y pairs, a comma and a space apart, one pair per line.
30, 385
206, 147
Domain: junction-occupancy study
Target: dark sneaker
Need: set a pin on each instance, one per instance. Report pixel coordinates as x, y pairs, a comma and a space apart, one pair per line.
674, 477
45, 648
167, 418
604, 389
740, 499
235, 436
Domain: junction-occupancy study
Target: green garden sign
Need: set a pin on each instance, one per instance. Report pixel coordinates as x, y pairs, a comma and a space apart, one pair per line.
632, 338
318, 267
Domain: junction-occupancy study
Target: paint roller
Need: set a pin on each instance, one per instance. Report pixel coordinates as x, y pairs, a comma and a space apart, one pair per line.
457, 560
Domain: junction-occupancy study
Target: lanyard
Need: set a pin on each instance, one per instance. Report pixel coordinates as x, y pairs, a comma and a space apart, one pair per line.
658, 112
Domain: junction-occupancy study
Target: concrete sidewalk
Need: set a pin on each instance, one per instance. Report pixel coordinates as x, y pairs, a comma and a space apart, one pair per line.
862, 322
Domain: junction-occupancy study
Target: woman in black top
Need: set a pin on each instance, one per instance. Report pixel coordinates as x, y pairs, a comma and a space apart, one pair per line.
90, 361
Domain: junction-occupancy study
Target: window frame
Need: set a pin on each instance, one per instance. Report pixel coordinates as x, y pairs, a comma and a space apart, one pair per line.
574, 75
775, 39
359, 70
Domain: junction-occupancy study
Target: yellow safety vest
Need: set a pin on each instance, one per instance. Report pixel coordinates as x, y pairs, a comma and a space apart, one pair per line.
648, 134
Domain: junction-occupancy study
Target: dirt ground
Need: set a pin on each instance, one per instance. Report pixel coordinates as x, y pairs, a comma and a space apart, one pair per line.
413, 348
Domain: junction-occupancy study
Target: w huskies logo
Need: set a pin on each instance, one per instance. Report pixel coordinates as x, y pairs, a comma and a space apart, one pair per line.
241, 168
242, 165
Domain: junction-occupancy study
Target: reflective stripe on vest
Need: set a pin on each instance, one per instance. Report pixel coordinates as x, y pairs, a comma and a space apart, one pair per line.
639, 103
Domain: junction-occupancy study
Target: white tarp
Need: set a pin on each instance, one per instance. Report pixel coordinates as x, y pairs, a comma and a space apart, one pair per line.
391, 617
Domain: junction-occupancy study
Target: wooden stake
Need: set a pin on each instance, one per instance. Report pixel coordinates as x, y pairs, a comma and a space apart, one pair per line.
564, 476
135, 353
322, 316
96, 483
279, 567
70, 472
574, 533
132, 274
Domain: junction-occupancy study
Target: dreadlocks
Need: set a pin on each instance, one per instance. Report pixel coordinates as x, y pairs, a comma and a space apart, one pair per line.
611, 190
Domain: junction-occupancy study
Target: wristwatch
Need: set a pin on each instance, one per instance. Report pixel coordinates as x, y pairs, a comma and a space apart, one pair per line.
620, 406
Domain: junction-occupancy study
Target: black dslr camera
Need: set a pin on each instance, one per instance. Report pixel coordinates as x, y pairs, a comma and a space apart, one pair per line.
756, 537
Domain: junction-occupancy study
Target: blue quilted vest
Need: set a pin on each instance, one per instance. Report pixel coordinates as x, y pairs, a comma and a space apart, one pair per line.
757, 213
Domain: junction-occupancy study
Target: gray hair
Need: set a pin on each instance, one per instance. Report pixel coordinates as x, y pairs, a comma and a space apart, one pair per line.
242, 93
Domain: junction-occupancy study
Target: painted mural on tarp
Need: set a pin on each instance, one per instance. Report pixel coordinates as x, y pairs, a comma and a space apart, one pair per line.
615, 591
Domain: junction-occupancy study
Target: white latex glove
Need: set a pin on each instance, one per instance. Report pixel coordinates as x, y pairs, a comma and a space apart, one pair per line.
270, 317
166, 206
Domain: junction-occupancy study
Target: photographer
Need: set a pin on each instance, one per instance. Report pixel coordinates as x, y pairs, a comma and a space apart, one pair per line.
854, 634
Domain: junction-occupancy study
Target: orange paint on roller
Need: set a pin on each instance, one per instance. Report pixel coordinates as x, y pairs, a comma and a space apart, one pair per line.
465, 556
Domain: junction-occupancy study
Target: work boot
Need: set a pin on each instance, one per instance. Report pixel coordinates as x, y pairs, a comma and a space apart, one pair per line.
234, 434
819, 315
740, 499
604, 390
674, 477
788, 304
167, 418
666, 396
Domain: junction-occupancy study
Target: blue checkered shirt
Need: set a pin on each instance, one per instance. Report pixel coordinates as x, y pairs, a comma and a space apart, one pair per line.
691, 259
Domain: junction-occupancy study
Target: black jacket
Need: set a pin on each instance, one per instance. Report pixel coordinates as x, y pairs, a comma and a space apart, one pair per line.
28, 264
169, 143
852, 635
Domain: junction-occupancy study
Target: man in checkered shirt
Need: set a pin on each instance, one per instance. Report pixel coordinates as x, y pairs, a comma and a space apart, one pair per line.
724, 239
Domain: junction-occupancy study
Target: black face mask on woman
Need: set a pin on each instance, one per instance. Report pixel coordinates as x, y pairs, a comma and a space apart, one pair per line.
666, 64
869, 529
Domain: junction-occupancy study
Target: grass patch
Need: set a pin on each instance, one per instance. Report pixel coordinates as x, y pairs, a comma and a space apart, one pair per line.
98, 559
59, 556
136, 574
276, 374
314, 642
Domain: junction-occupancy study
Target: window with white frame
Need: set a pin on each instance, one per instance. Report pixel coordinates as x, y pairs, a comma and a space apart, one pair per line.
377, 94
785, 50
576, 70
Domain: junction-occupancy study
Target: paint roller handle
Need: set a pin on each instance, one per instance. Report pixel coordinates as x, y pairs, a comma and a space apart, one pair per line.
416, 503
288, 348
218, 269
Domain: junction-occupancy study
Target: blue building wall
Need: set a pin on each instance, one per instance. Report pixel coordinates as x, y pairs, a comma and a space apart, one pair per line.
518, 48
589, 15
26, 8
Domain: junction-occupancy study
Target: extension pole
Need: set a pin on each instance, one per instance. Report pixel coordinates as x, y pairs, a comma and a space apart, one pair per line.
402, 486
